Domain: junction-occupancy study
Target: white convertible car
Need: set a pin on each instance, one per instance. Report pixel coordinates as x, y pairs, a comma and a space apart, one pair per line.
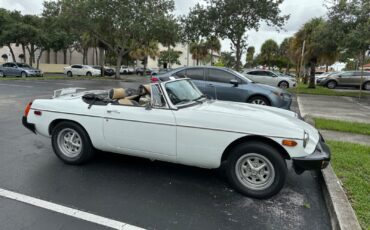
172, 121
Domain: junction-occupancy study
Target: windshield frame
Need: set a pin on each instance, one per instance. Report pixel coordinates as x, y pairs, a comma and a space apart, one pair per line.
187, 104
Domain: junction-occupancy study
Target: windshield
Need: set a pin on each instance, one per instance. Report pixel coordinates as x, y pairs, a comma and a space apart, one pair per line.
182, 92
22, 65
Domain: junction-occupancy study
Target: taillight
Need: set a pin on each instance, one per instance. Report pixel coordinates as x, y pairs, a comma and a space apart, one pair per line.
27, 109
154, 79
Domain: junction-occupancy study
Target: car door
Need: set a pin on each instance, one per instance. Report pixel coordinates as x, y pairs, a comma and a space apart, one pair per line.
6, 69
76, 69
218, 85
197, 77
149, 132
346, 78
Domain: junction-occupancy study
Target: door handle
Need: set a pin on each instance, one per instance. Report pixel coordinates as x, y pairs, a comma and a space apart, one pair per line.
113, 111
210, 85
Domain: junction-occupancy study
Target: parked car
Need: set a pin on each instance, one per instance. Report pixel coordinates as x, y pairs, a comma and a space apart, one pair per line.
126, 70
19, 70
347, 78
172, 121
229, 85
107, 70
270, 78
81, 70
323, 76
148, 71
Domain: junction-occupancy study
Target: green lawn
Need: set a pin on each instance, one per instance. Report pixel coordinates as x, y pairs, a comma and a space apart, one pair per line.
319, 90
351, 163
343, 126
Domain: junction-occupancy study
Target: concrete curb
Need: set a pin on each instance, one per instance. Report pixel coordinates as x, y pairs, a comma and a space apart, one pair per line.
342, 215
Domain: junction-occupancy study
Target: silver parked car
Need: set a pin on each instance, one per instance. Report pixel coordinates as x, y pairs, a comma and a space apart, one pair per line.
347, 78
228, 85
270, 78
19, 70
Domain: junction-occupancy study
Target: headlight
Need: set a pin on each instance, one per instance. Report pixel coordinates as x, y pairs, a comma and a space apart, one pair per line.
306, 138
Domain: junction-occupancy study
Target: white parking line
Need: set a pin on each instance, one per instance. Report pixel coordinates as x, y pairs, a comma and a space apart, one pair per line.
27, 86
67, 211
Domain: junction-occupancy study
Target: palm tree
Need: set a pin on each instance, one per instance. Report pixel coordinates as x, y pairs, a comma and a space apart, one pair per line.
214, 45
269, 51
142, 52
199, 51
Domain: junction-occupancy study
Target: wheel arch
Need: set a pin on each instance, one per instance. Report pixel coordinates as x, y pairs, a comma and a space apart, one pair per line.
258, 95
254, 138
55, 122
281, 81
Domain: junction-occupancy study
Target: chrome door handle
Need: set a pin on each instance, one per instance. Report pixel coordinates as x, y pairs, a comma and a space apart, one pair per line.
113, 111
211, 85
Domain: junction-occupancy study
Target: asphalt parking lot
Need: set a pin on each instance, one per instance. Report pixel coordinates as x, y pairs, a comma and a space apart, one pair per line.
150, 195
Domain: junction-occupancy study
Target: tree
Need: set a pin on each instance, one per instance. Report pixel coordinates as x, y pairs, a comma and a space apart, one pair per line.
169, 57
199, 51
269, 52
250, 54
228, 59
213, 45
142, 52
115, 24
230, 19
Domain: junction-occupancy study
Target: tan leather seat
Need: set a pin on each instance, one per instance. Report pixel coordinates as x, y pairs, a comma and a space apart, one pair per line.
120, 95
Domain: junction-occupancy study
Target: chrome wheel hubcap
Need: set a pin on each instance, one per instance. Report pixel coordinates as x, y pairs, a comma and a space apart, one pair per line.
255, 171
258, 102
69, 142
283, 85
331, 85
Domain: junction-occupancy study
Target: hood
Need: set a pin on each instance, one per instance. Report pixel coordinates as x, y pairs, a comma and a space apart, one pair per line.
270, 88
246, 118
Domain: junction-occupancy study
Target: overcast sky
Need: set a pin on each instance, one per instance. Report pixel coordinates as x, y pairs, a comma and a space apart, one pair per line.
300, 11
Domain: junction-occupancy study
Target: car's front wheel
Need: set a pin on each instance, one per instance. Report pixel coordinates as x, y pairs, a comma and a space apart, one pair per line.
71, 143
331, 84
366, 85
259, 100
69, 74
256, 170
23, 74
283, 85
88, 74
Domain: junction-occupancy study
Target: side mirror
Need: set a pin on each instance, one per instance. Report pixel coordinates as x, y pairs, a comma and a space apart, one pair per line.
234, 82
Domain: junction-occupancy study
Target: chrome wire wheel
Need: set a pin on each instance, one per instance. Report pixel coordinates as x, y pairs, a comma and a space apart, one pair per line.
258, 101
69, 143
255, 171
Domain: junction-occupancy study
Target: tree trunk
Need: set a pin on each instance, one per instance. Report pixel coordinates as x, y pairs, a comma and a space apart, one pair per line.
96, 55
11, 52
24, 53
238, 54
312, 73
101, 59
64, 56
211, 57
30, 55
38, 58
326, 67
118, 64
363, 55
70, 56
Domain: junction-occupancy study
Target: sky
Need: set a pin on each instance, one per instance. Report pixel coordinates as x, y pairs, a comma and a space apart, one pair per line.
300, 11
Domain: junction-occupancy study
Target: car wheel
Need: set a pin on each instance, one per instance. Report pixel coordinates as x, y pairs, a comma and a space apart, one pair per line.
365, 87
331, 84
88, 74
23, 74
69, 74
259, 100
2, 74
283, 85
256, 170
71, 143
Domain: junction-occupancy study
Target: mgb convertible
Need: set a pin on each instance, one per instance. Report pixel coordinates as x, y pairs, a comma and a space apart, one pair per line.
172, 121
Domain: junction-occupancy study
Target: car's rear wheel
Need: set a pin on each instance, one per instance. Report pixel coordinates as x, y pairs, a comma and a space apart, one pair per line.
71, 143
2, 74
331, 84
23, 74
283, 85
366, 86
256, 170
88, 74
69, 74
259, 100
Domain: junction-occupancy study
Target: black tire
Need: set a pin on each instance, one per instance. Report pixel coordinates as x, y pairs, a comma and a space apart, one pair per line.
366, 85
331, 84
86, 151
88, 74
261, 100
283, 85
24, 74
69, 74
2, 74
267, 152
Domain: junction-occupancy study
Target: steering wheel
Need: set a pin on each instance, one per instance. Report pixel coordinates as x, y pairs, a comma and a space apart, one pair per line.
173, 96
